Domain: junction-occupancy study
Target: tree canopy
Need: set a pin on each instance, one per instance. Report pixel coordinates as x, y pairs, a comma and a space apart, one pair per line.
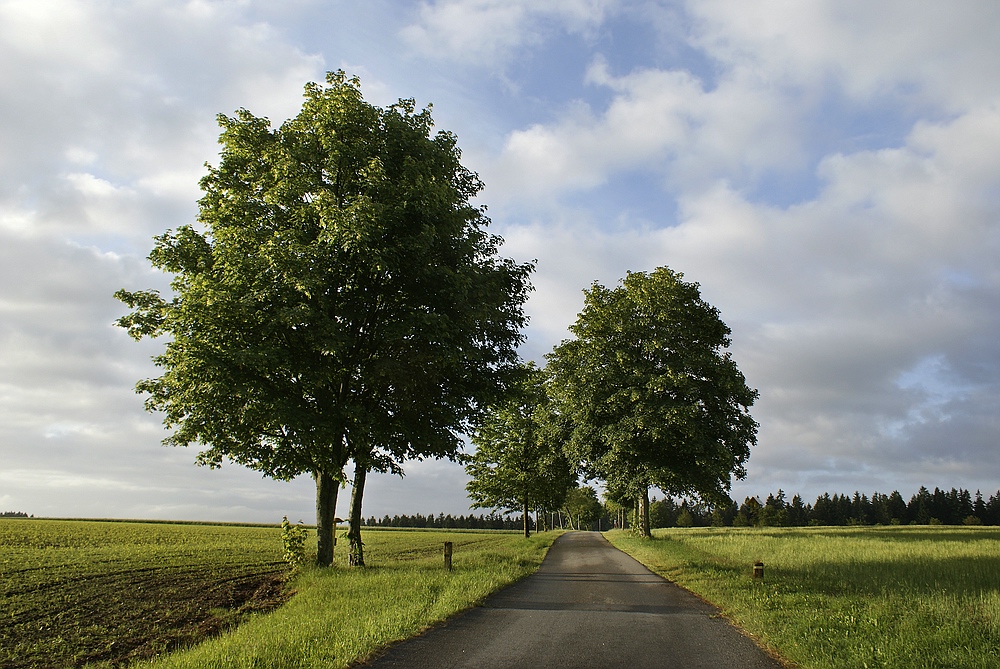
653, 396
582, 506
519, 464
340, 298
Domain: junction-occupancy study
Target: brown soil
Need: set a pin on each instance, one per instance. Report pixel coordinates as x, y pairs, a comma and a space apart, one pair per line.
118, 617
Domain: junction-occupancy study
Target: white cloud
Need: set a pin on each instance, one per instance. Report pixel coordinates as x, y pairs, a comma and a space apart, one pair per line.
832, 300
863, 300
928, 52
108, 118
664, 121
491, 31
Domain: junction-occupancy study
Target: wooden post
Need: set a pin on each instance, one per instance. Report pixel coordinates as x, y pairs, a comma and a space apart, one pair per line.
447, 555
758, 569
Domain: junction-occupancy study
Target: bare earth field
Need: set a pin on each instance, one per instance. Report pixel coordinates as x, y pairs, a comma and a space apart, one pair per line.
74, 592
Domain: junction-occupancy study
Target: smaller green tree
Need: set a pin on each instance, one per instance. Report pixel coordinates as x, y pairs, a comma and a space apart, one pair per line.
582, 507
518, 465
684, 518
654, 398
293, 542
663, 513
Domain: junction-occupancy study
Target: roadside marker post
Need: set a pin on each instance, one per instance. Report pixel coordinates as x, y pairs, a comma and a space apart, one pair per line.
447, 555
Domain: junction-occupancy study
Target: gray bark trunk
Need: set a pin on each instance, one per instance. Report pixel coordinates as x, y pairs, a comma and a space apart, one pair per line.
644, 513
327, 488
527, 532
356, 557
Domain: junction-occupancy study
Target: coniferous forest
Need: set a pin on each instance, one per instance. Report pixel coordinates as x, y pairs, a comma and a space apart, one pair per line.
938, 507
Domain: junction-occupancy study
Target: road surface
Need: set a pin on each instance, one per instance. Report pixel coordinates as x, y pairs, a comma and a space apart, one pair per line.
588, 605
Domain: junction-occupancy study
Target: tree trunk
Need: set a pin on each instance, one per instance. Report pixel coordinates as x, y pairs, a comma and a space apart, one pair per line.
356, 557
644, 514
527, 532
326, 517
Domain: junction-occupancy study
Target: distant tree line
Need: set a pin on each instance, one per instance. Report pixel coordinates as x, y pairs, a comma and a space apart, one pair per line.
13, 514
492, 521
941, 507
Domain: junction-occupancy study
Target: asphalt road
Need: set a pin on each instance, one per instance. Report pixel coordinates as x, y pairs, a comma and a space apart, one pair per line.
589, 605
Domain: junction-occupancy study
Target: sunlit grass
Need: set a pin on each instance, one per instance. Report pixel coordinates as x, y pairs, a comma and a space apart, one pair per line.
341, 615
839, 598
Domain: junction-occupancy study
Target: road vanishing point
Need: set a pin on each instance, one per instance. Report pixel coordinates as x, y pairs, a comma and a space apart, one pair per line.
588, 605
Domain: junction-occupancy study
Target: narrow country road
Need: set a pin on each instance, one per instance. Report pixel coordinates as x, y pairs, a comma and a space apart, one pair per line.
589, 605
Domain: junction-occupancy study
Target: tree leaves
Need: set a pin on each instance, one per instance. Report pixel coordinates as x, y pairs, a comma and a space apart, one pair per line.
340, 295
653, 397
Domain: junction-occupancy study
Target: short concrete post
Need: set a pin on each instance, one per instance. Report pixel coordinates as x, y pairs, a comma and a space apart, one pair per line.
447, 555
758, 569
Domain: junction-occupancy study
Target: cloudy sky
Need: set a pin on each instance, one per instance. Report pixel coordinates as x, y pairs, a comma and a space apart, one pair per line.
828, 171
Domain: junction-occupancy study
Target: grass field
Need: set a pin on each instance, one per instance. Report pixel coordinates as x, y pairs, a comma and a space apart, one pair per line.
77, 591
341, 615
844, 598
109, 593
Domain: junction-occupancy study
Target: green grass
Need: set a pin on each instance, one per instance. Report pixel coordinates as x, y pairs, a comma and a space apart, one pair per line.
73, 591
840, 598
341, 615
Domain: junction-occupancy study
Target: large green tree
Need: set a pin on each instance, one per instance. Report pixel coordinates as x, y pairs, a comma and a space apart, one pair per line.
653, 396
519, 462
340, 297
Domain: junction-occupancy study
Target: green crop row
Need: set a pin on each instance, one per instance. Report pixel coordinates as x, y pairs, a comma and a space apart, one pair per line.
843, 598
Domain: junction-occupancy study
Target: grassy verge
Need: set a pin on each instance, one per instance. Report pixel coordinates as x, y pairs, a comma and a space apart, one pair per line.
840, 598
339, 616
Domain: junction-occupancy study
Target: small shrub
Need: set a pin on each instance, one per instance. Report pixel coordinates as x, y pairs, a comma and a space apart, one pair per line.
293, 541
972, 520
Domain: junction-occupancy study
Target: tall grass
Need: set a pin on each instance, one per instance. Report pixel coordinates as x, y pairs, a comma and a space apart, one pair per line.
341, 615
839, 598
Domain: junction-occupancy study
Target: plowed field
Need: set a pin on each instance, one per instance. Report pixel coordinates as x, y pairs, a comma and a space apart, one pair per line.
73, 592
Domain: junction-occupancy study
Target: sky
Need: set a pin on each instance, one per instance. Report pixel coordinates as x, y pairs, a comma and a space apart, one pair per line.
827, 171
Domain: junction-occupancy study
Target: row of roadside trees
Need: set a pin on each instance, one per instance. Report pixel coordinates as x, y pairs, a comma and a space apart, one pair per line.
340, 301
644, 395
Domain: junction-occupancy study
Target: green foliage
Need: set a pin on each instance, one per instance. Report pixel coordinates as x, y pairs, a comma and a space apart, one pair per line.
899, 597
652, 395
77, 591
293, 542
663, 513
582, 506
684, 518
518, 464
341, 297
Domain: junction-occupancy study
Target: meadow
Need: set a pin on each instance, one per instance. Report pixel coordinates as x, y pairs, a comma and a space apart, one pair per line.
845, 598
101, 594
